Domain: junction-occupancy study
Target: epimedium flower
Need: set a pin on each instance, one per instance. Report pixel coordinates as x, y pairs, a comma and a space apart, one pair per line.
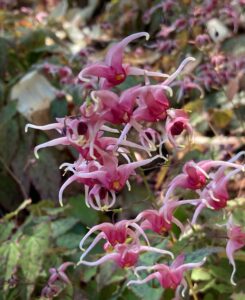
114, 234
112, 71
236, 241
168, 276
215, 195
202, 41
161, 221
152, 103
176, 122
56, 275
75, 131
149, 138
210, 186
110, 175
125, 255
195, 175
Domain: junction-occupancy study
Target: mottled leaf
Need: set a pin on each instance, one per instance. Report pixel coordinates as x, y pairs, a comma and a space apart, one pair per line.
33, 250
63, 225
10, 254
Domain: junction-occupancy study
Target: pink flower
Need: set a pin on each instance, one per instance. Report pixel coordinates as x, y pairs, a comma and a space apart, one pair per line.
112, 71
153, 220
80, 132
152, 103
110, 175
124, 255
51, 289
59, 274
211, 187
236, 241
215, 195
114, 234
160, 221
202, 41
177, 121
168, 276
194, 177
117, 110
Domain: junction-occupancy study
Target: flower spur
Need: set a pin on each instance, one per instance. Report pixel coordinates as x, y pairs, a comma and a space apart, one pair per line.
112, 71
168, 276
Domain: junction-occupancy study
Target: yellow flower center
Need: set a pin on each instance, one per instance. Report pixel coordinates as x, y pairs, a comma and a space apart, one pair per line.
116, 185
119, 77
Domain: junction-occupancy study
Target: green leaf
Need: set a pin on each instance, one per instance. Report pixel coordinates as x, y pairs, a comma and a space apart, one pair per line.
200, 254
45, 175
4, 46
88, 273
7, 113
10, 254
221, 117
223, 288
61, 226
150, 258
145, 291
200, 274
9, 138
78, 209
33, 250
59, 108
220, 272
69, 240
9, 192
109, 274
125, 294
208, 296
33, 39
5, 230
235, 45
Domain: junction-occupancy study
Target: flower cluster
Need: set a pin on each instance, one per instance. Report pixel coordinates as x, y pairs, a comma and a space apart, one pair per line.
57, 276
98, 166
104, 165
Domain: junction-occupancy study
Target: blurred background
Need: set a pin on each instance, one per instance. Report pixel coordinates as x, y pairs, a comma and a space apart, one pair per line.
43, 47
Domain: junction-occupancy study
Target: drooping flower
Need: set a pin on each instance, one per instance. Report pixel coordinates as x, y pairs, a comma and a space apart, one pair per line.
215, 195
114, 234
112, 71
195, 176
56, 275
168, 276
110, 175
160, 221
177, 121
236, 241
125, 255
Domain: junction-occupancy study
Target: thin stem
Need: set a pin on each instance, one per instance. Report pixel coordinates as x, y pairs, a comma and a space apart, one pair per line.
193, 292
